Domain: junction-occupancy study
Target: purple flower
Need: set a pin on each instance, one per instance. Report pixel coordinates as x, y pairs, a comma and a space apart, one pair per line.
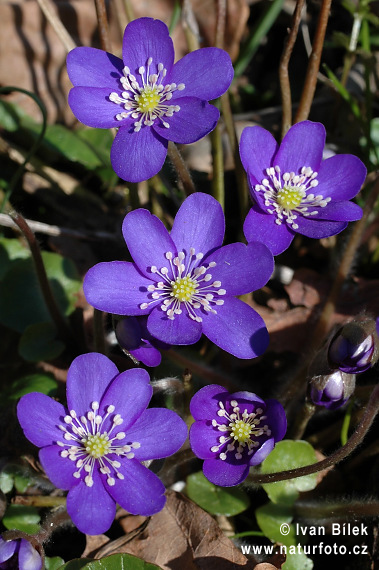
354, 348
134, 338
148, 97
332, 391
233, 432
283, 181
19, 554
185, 281
95, 446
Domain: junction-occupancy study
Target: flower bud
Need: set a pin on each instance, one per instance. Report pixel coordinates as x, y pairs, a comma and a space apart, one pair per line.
19, 554
355, 347
331, 390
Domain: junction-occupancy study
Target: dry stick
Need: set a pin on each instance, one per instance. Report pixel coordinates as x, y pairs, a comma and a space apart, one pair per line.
285, 87
371, 410
220, 26
181, 168
314, 64
295, 387
64, 330
50, 14
103, 25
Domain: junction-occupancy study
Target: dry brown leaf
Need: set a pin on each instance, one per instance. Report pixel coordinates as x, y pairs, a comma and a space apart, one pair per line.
181, 536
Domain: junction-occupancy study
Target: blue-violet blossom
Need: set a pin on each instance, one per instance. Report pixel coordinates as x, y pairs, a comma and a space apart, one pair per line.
95, 446
134, 339
233, 432
332, 391
185, 281
354, 348
294, 190
19, 554
146, 96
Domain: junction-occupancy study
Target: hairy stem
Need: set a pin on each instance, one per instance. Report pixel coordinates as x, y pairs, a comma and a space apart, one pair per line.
336, 510
218, 186
103, 25
181, 168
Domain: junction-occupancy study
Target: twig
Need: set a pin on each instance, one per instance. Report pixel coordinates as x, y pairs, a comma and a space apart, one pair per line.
50, 14
220, 27
103, 25
284, 81
314, 64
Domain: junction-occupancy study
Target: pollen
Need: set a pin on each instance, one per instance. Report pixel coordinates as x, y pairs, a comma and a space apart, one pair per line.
240, 431
97, 445
290, 198
184, 288
148, 100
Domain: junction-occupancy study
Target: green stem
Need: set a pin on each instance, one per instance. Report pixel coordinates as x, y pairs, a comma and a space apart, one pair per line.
346, 423
218, 186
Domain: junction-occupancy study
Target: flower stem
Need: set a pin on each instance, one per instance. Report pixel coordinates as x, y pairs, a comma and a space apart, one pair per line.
63, 328
181, 168
313, 64
284, 81
218, 185
103, 25
301, 421
44, 501
98, 331
370, 412
333, 510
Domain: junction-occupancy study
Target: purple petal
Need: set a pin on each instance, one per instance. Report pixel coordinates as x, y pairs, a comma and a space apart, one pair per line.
87, 380
262, 227
262, 452
7, 549
248, 398
130, 394
240, 268
148, 355
180, 330
237, 328
340, 212
224, 474
137, 156
207, 73
91, 509
199, 223
116, 287
341, 176
303, 145
204, 404
128, 333
257, 150
148, 241
203, 436
141, 492
90, 67
318, 228
28, 557
92, 107
39, 416
59, 469
145, 38
160, 432
195, 119
276, 419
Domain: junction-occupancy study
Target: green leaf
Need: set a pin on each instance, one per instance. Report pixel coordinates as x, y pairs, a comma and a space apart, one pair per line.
297, 560
21, 300
75, 564
6, 481
38, 342
32, 383
67, 143
22, 518
228, 501
289, 454
10, 249
120, 562
14, 475
274, 520
53, 563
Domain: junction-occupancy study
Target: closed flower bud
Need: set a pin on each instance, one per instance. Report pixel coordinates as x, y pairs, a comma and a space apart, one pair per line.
331, 390
354, 348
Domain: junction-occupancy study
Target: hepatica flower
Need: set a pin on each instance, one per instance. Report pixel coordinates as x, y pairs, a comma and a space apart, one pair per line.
95, 446
294, 190
233, 432
19, 554
134, 338
185, 281
146, 96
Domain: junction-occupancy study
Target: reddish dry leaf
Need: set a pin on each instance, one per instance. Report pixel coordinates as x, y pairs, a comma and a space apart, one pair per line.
181, 536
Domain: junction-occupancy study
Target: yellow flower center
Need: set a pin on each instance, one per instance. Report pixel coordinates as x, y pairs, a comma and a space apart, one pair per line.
97, 445
148, 100
289, 198
184, 288
240, 430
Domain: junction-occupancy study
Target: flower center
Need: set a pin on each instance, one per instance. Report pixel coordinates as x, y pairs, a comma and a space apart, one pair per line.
91, 444
146, 98
185, 283
240, 432
286, 194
